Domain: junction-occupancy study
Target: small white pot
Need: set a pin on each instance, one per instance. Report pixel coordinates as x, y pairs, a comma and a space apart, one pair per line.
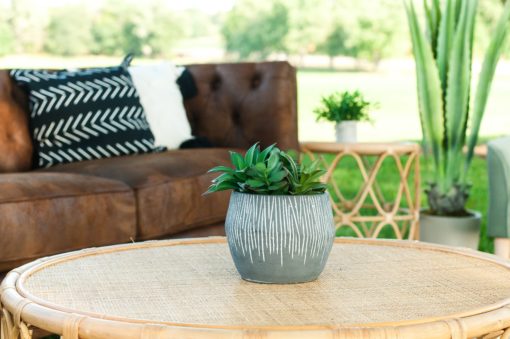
347, 132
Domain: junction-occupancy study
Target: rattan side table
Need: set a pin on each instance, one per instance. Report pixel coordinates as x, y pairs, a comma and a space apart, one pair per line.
190, 289
398, 213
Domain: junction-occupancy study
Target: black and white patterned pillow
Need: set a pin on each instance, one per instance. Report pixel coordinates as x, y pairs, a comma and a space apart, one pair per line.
83, 115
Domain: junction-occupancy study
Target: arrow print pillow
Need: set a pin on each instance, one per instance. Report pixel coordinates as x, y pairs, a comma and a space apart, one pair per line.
84, 115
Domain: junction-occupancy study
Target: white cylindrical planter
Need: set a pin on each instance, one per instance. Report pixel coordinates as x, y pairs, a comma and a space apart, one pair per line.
451, 231
347, 132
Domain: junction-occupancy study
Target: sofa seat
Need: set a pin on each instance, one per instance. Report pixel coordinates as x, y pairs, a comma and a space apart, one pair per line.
48, 213
168, 187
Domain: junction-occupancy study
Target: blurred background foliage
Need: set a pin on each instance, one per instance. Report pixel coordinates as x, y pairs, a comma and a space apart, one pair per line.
366, 30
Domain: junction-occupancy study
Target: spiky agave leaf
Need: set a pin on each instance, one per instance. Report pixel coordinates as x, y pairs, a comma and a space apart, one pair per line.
429, 91
458, 92
485, 81
433, 16
446, 33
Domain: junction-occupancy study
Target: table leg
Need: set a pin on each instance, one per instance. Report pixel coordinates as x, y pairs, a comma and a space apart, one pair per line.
12, 329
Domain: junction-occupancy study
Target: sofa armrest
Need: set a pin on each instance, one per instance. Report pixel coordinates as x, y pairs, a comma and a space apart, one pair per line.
242, 103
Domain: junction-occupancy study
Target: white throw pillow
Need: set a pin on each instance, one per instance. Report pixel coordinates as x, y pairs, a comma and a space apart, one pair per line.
162, 101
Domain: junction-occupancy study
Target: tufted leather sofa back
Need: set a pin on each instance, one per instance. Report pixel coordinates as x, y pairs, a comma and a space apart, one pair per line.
236, 106
240, 104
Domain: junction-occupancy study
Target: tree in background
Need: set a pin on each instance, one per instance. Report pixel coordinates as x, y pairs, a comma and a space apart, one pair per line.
254, 30
6, 33
365, 30
368, 30
119, 28
309, 22
147, 28
164, 30
28, 22
69, 31
335, 44
115, 28
374, 27
196, 23
372, 40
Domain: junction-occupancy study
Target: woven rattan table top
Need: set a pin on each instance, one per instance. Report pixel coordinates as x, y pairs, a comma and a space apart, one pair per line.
194, 282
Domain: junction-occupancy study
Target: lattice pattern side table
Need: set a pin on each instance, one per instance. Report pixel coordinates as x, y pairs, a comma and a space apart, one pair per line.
370, 212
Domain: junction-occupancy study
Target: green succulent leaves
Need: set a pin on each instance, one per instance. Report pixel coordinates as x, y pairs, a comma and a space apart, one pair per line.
449, 110
269, 171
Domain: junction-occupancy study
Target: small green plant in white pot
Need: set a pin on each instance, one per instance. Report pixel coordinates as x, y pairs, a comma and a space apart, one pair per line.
279, 222
451, 111
346, 110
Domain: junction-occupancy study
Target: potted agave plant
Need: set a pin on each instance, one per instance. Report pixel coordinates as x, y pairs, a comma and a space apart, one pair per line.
279, 222
451, 113
346, 110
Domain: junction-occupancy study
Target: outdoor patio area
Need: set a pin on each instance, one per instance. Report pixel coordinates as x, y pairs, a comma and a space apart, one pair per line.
254, 169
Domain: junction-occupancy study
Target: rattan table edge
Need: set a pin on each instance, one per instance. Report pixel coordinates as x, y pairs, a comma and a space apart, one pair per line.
34, 311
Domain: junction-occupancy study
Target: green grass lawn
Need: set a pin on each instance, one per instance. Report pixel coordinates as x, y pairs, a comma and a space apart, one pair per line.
395, 120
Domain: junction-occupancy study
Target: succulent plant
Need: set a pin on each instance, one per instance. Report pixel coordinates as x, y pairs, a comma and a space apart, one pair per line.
451, 203
270, 171
450, 110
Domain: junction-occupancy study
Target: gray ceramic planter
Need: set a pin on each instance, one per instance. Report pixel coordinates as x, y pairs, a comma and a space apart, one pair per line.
452, 231
279, 239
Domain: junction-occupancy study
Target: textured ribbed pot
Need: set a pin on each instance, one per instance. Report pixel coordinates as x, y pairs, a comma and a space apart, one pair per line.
346, 132
452, 231
279, 239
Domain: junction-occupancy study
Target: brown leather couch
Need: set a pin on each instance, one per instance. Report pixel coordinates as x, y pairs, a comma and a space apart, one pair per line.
109, 201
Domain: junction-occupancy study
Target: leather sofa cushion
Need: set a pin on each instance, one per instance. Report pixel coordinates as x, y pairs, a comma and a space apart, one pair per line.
46, 213
168, 186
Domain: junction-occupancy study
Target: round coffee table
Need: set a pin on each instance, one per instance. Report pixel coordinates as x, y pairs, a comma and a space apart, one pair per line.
190, 289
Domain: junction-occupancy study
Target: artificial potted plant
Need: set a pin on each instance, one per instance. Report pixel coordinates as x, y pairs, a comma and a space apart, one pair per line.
451, 113
345, 110
279, 222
